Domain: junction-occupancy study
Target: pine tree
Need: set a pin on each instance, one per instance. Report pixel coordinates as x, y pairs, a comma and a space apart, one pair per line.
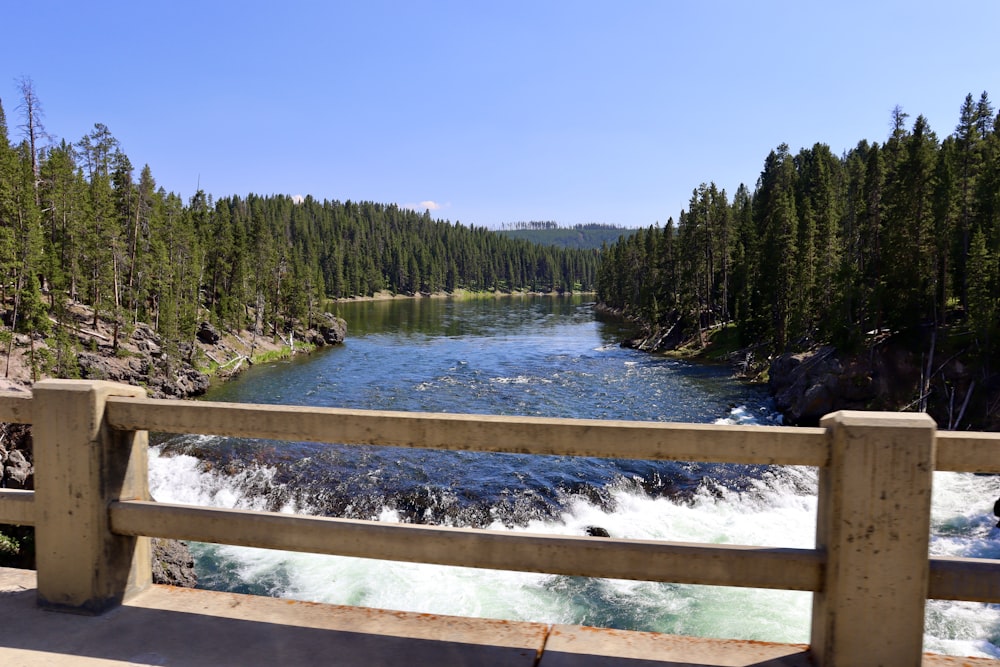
909, 227
776, 224
968, 165
101, 238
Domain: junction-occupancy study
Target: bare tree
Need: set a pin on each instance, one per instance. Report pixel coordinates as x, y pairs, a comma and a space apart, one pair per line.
32, 127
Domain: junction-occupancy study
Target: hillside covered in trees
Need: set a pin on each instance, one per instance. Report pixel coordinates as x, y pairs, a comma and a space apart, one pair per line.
590, 236
900, 238
78, 225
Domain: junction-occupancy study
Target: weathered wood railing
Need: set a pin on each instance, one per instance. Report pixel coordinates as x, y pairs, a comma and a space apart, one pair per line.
93, 514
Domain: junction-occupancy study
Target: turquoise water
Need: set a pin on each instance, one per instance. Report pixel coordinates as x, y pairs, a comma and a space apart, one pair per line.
529, 356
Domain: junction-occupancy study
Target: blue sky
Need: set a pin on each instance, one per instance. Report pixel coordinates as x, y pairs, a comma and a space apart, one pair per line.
490, 112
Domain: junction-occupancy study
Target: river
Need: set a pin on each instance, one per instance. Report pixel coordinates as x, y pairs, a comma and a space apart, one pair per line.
542, 357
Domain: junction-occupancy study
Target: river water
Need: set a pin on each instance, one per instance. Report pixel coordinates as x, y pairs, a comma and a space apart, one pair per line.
541, 357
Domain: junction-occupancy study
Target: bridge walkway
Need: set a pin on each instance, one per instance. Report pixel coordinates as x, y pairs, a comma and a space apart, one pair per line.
182, 627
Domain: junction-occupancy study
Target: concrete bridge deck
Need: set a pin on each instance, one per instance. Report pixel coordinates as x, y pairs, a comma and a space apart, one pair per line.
182, 627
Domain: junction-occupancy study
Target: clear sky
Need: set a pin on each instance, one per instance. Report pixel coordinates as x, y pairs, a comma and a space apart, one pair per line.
490, 112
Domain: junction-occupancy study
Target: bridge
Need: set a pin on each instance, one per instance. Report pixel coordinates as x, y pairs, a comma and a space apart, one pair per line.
93, 515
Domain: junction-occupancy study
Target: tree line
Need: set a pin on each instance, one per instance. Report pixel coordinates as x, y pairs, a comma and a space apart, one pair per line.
883, 238
77, 225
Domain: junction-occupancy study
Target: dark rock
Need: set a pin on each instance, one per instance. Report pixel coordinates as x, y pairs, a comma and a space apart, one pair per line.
314, 337
144, 332
208, 334
149, 347
808, 385
816, 402
95, 367
194, 383
181, 382
17, 471
597, 531
173, 564
333, 329
16, 467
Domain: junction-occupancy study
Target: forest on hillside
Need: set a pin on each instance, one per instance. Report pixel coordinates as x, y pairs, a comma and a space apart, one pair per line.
588, 236
78, 225
897, 237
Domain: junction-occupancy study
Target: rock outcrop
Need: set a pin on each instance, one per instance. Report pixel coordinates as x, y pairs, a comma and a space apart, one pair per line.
208, 334
808, 385
890, 375
143, 369
333, 329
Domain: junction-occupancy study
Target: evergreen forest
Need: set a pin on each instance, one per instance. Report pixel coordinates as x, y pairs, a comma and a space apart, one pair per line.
590, 236
77, 221
889, 238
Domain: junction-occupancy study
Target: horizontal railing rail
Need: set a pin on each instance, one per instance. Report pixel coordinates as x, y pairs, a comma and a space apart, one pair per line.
972, 579
870, 562
959, 451
17, 507
717, 565
489, 433
16, 408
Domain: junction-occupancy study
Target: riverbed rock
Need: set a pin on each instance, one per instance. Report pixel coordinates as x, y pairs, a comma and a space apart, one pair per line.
173, 564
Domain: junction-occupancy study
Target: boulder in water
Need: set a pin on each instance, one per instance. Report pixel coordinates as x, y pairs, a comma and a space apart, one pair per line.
333, 329
597, 531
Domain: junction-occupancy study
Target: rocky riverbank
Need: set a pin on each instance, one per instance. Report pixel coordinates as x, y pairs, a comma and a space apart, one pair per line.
951, 386
139, 358
808, 385
938, 372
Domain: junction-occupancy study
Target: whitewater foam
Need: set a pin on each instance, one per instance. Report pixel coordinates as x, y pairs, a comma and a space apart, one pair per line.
778, 508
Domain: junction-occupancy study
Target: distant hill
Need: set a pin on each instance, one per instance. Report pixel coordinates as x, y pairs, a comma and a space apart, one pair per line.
584, 237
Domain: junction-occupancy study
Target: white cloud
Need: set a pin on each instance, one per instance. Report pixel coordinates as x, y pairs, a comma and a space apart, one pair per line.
298, 199
428, 205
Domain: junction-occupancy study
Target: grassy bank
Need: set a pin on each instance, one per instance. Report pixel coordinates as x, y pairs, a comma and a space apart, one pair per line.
720, 345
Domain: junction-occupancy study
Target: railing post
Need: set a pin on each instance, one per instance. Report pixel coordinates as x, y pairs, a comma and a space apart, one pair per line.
81, 465
874, 525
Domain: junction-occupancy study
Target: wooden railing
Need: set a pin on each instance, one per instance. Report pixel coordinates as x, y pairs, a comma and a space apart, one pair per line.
93, 514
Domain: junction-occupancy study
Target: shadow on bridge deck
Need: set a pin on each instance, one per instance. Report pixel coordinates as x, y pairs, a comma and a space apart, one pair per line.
183, 627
